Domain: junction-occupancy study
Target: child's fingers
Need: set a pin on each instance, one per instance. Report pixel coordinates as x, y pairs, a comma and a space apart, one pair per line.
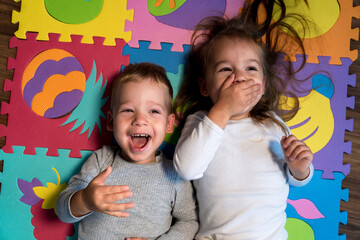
282, 141
304, 154
117, 208
287, 141
118, 214
112, 189
100, 179
228, 82
114, 196
297, 152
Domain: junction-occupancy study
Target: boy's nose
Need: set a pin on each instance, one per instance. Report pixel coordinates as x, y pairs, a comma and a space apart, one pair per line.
139, 119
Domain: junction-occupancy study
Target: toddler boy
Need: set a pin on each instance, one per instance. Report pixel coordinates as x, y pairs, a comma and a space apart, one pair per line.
132, 190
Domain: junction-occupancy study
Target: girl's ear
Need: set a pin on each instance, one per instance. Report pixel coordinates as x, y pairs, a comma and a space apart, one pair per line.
109, 121
170, 123
203, 88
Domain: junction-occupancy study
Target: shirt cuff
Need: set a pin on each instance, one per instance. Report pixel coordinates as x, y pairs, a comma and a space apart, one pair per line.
72, 216
299, 183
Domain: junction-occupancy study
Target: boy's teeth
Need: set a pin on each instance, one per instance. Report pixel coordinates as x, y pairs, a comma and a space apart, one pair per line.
140, 135
139, 140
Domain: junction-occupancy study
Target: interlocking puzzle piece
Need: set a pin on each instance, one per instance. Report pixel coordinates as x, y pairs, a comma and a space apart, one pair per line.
326, 196
21, 208
329, 157
109, 23
146, 27
163, 56
26, 128
186, 15
314, 122
336, 41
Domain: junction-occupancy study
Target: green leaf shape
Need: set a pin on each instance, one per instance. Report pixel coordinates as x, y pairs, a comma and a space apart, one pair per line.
74, 11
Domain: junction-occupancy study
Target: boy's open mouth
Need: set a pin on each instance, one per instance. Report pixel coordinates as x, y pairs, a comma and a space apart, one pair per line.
139, 141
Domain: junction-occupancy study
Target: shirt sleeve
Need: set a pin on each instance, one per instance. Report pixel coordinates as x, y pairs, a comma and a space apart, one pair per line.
299, 183
90, 169
198, 143
186, 223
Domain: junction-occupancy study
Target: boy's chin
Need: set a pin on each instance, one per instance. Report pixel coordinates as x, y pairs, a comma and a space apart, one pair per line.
139, 157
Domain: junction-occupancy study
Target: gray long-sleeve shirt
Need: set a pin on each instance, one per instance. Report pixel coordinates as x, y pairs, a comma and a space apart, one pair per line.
164, 203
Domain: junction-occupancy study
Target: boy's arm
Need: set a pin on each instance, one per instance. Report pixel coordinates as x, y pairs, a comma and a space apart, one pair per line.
185, 213
71, 205
102, 198
63, 208
200, 139
78, 182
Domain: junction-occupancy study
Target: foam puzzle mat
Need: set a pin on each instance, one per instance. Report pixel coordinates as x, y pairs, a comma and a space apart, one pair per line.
67, 54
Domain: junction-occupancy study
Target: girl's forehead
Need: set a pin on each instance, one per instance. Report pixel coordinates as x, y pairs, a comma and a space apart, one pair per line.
236, 46
229, 42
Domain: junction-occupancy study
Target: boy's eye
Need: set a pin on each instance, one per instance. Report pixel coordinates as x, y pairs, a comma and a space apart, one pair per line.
126, 110
155, 111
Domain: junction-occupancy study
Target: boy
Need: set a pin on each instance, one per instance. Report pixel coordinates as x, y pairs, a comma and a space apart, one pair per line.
162, 204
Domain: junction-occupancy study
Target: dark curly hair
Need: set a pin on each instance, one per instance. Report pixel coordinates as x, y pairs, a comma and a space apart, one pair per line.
269, 36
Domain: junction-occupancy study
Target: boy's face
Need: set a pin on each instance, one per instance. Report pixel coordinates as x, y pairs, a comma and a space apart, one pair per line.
232, 56
140, 119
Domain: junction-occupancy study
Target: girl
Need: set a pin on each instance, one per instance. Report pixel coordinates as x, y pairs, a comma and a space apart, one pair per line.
239, 152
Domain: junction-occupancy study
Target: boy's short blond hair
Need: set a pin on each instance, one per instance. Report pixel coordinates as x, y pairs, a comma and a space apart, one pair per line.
140, 71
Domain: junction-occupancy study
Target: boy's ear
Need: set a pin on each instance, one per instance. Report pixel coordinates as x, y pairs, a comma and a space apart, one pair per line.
170, 123
203, 88
109, 121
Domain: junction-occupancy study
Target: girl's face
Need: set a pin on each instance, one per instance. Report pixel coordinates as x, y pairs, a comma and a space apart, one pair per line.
228, 56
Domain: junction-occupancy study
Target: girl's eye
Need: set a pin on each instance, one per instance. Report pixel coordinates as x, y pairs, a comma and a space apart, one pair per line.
225, 69
252, 68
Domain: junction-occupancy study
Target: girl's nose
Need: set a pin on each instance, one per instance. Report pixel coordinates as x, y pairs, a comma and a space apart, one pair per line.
139, 119
239, 76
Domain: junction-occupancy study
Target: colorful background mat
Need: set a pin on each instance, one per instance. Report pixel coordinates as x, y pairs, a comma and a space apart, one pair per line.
67, 54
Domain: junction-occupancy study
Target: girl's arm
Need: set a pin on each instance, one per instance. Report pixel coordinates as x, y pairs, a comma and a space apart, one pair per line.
200, 138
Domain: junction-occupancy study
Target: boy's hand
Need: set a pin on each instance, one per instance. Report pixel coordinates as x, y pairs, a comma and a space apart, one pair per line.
101, 198
298, 156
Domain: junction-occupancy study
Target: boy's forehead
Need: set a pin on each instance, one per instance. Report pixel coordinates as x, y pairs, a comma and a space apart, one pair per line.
151, 84
146, 87
139, 88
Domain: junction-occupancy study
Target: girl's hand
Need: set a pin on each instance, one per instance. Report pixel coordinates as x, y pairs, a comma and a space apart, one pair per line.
298, 156
236, 99
99, 197
135, 238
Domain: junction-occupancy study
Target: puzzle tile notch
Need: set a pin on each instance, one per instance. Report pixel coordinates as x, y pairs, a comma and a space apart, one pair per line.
86, 54
109, 23
326, 195
330, 158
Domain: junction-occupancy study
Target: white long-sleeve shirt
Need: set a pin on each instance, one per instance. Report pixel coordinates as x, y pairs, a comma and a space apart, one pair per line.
240, 176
